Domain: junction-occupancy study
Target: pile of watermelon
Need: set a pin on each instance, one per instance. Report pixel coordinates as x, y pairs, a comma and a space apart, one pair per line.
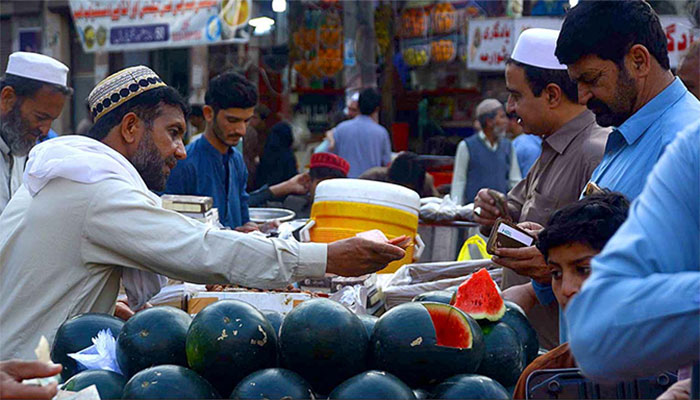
416, 350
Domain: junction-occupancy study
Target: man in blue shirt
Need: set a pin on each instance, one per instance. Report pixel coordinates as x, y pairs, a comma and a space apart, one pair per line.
213, 166
362, 141
639, 312
527, 148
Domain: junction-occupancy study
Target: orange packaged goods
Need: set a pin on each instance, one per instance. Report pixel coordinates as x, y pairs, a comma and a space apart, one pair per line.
443, 18
443, 50
414, 22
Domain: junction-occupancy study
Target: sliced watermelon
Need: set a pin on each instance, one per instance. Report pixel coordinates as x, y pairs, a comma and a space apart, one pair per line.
479, 297
451, 327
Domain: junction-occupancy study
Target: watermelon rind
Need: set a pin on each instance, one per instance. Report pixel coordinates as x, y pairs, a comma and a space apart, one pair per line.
516, 318
110, 385
470, 386
168, 382
504, 360
273, 383
373, 385
404, 343
436, 296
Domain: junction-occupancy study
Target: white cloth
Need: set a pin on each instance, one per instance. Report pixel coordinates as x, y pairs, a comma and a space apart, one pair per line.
85, 160
11, 170
37, 66
459, 175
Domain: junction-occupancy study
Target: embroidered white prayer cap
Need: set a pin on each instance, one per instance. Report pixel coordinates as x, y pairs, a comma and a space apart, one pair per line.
37, 66
535, 47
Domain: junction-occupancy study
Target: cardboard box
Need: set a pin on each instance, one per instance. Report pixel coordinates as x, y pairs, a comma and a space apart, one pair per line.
263, 301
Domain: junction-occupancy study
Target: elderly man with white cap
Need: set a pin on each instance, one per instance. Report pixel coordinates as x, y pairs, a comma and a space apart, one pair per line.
86, 219
32, 94
486, 159
545, 100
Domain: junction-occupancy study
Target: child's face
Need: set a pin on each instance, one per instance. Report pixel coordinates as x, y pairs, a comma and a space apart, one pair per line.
570, 266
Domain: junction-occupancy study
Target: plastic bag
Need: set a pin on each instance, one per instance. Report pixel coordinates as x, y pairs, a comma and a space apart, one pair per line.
413, 279
101, 355
445, 209
352, 297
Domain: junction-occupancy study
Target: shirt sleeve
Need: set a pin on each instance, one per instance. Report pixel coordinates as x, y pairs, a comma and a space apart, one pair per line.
242, 184
182, 180
125, 227
386, 154
638, 312
260, 196
459, 174
515, 175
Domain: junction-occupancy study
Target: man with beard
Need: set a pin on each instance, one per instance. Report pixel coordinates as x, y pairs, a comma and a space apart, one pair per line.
86, 219
214, 167
616, 51
32, 95
545, 99
486, 159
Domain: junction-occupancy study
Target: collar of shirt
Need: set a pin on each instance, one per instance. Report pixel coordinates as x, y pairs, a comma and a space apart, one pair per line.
487, 142
209, 148
563, 136
4, 148
640, 121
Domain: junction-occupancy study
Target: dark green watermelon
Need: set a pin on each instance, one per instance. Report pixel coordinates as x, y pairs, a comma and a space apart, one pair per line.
470, 386
436, 296
273, 384
421, 394
368, 321
155, 336
504, 360
76, 334
168, 382
110, 385
372, 385
324, 342
228, 340
515, 318
275, 319
424, 343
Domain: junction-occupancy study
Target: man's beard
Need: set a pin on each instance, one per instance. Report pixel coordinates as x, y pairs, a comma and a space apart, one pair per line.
622, 107
16, 133
219, 133
149, 163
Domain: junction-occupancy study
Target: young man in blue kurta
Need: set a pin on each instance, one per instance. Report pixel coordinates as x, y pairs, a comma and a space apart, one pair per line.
213, 166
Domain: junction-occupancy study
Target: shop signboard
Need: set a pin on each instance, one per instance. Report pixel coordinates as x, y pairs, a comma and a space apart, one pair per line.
491, 40
119, 25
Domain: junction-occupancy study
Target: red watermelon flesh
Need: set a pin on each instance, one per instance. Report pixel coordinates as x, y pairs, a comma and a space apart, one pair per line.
451, 328
479, 297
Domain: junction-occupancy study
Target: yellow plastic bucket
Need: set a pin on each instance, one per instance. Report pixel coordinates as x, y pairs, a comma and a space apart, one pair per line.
345, 207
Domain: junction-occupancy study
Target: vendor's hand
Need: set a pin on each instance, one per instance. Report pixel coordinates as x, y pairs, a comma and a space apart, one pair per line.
527, 261
522, 295
402, 241
357, 256
12, 373
678, 391
123, 311
267, 226
248, 227
489, 211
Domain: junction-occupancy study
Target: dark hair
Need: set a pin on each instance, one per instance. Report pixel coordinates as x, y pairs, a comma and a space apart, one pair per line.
27, 87
196, 110
369, 101
407, 170
592, 221
538, 79
231, 90
325, 173
147, 106
608, 29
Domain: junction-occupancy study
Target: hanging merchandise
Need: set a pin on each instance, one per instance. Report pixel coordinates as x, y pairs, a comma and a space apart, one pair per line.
416, 53
443, 50
382, 26
414, 23
443, 18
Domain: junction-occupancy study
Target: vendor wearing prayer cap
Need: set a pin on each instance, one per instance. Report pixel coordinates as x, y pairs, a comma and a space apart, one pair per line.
486, 159
86, 219
545, 101
33, 92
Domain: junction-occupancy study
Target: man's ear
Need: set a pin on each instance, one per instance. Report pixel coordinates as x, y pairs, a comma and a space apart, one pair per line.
208, 112
552, 93
130, 128
8, 99
638, 61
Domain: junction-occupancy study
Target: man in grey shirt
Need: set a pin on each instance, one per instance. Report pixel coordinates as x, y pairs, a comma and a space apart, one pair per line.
362, 141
